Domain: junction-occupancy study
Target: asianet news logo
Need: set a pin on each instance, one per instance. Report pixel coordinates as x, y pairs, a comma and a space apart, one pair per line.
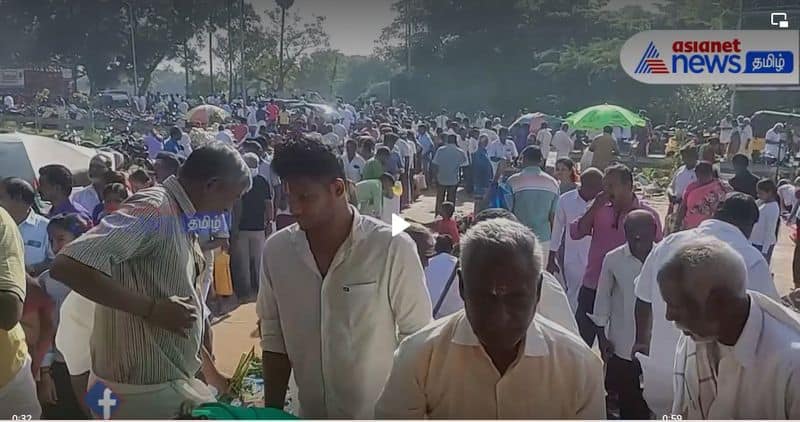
702, 57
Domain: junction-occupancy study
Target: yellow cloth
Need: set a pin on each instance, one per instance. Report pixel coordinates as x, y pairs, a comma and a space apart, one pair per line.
223, 282
13, 350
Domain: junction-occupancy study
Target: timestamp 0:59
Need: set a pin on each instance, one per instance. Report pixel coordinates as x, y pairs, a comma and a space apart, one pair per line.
672, 418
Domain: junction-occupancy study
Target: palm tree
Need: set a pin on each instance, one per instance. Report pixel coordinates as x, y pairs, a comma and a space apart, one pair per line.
283, 4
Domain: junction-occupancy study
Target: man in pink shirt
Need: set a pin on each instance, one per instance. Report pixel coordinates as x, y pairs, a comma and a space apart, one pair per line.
603, 221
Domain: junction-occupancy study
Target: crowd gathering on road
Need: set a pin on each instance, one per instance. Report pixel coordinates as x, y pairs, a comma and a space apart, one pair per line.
499, 315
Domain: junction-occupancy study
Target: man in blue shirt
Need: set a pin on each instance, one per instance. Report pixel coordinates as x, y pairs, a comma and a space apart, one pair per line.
396, 163
446, 163
534, 195
55, 186
172, 144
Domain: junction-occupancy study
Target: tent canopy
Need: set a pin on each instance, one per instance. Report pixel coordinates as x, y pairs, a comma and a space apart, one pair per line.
21, 155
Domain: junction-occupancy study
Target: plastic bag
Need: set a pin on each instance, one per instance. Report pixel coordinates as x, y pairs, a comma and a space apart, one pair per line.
223, 282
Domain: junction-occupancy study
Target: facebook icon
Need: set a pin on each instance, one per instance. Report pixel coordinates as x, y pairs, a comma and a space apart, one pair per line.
101, 400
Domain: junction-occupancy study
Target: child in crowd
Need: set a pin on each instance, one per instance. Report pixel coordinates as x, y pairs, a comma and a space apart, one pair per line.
37, 323
113, 197
765, 232
446, 225
68, 384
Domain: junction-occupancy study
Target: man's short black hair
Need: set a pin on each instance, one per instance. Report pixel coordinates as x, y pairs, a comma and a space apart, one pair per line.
622, 171
387, 177
608, 129
215, 160
171, 159
447, 209
390, 137
492, 213
19, 190
740, 160
57, 175
739, 209
444, 244
306, 158
139, 176
532, 154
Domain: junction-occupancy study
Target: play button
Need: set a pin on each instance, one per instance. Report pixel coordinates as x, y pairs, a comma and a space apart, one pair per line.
398, 225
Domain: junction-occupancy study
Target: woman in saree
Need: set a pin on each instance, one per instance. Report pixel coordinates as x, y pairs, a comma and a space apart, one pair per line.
702, 197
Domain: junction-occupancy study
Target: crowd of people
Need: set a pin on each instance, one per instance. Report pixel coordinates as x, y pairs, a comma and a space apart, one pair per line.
495, 316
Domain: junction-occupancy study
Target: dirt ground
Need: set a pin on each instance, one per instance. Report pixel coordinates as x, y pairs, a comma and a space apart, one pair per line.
235, 335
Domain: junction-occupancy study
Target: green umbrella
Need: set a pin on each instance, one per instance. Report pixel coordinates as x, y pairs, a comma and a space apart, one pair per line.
599, 116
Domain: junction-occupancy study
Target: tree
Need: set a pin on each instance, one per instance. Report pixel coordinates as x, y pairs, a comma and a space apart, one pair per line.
299, 39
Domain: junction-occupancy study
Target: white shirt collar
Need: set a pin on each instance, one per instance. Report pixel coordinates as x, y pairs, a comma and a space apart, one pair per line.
535, 344
30, 219
719, 225
745, 348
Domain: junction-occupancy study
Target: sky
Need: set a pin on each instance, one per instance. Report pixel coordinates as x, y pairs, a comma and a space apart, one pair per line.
355, 25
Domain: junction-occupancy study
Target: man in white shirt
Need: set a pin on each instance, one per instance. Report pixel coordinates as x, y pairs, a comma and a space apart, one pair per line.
183, 108
739, 354
562, 142
441, 120
8, 102
543, 138
481, 121
339, 129
772, 139
17, 197
186, 143
656, 337
90, 196
352, 162
338, 293
497, 359
786, 192
501, 148
224, 135
330, 138
441, 276
614, 312
684, 176
571, 206
725, 132
747, 137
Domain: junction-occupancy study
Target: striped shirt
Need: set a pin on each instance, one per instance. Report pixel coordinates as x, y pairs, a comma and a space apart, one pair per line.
535, 199
149, 246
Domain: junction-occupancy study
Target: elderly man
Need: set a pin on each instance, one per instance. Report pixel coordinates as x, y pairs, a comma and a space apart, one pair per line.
143, 264
739, 355
496, 359
553, 303
604, 222
91, 196
657, 337
614, 312
338, 292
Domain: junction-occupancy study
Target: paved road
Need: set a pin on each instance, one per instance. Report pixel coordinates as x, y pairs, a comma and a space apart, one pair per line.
235, 335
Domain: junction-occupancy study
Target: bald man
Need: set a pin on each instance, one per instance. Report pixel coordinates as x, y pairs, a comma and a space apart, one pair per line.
739, 354
614, 312
655, 336
571, 264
